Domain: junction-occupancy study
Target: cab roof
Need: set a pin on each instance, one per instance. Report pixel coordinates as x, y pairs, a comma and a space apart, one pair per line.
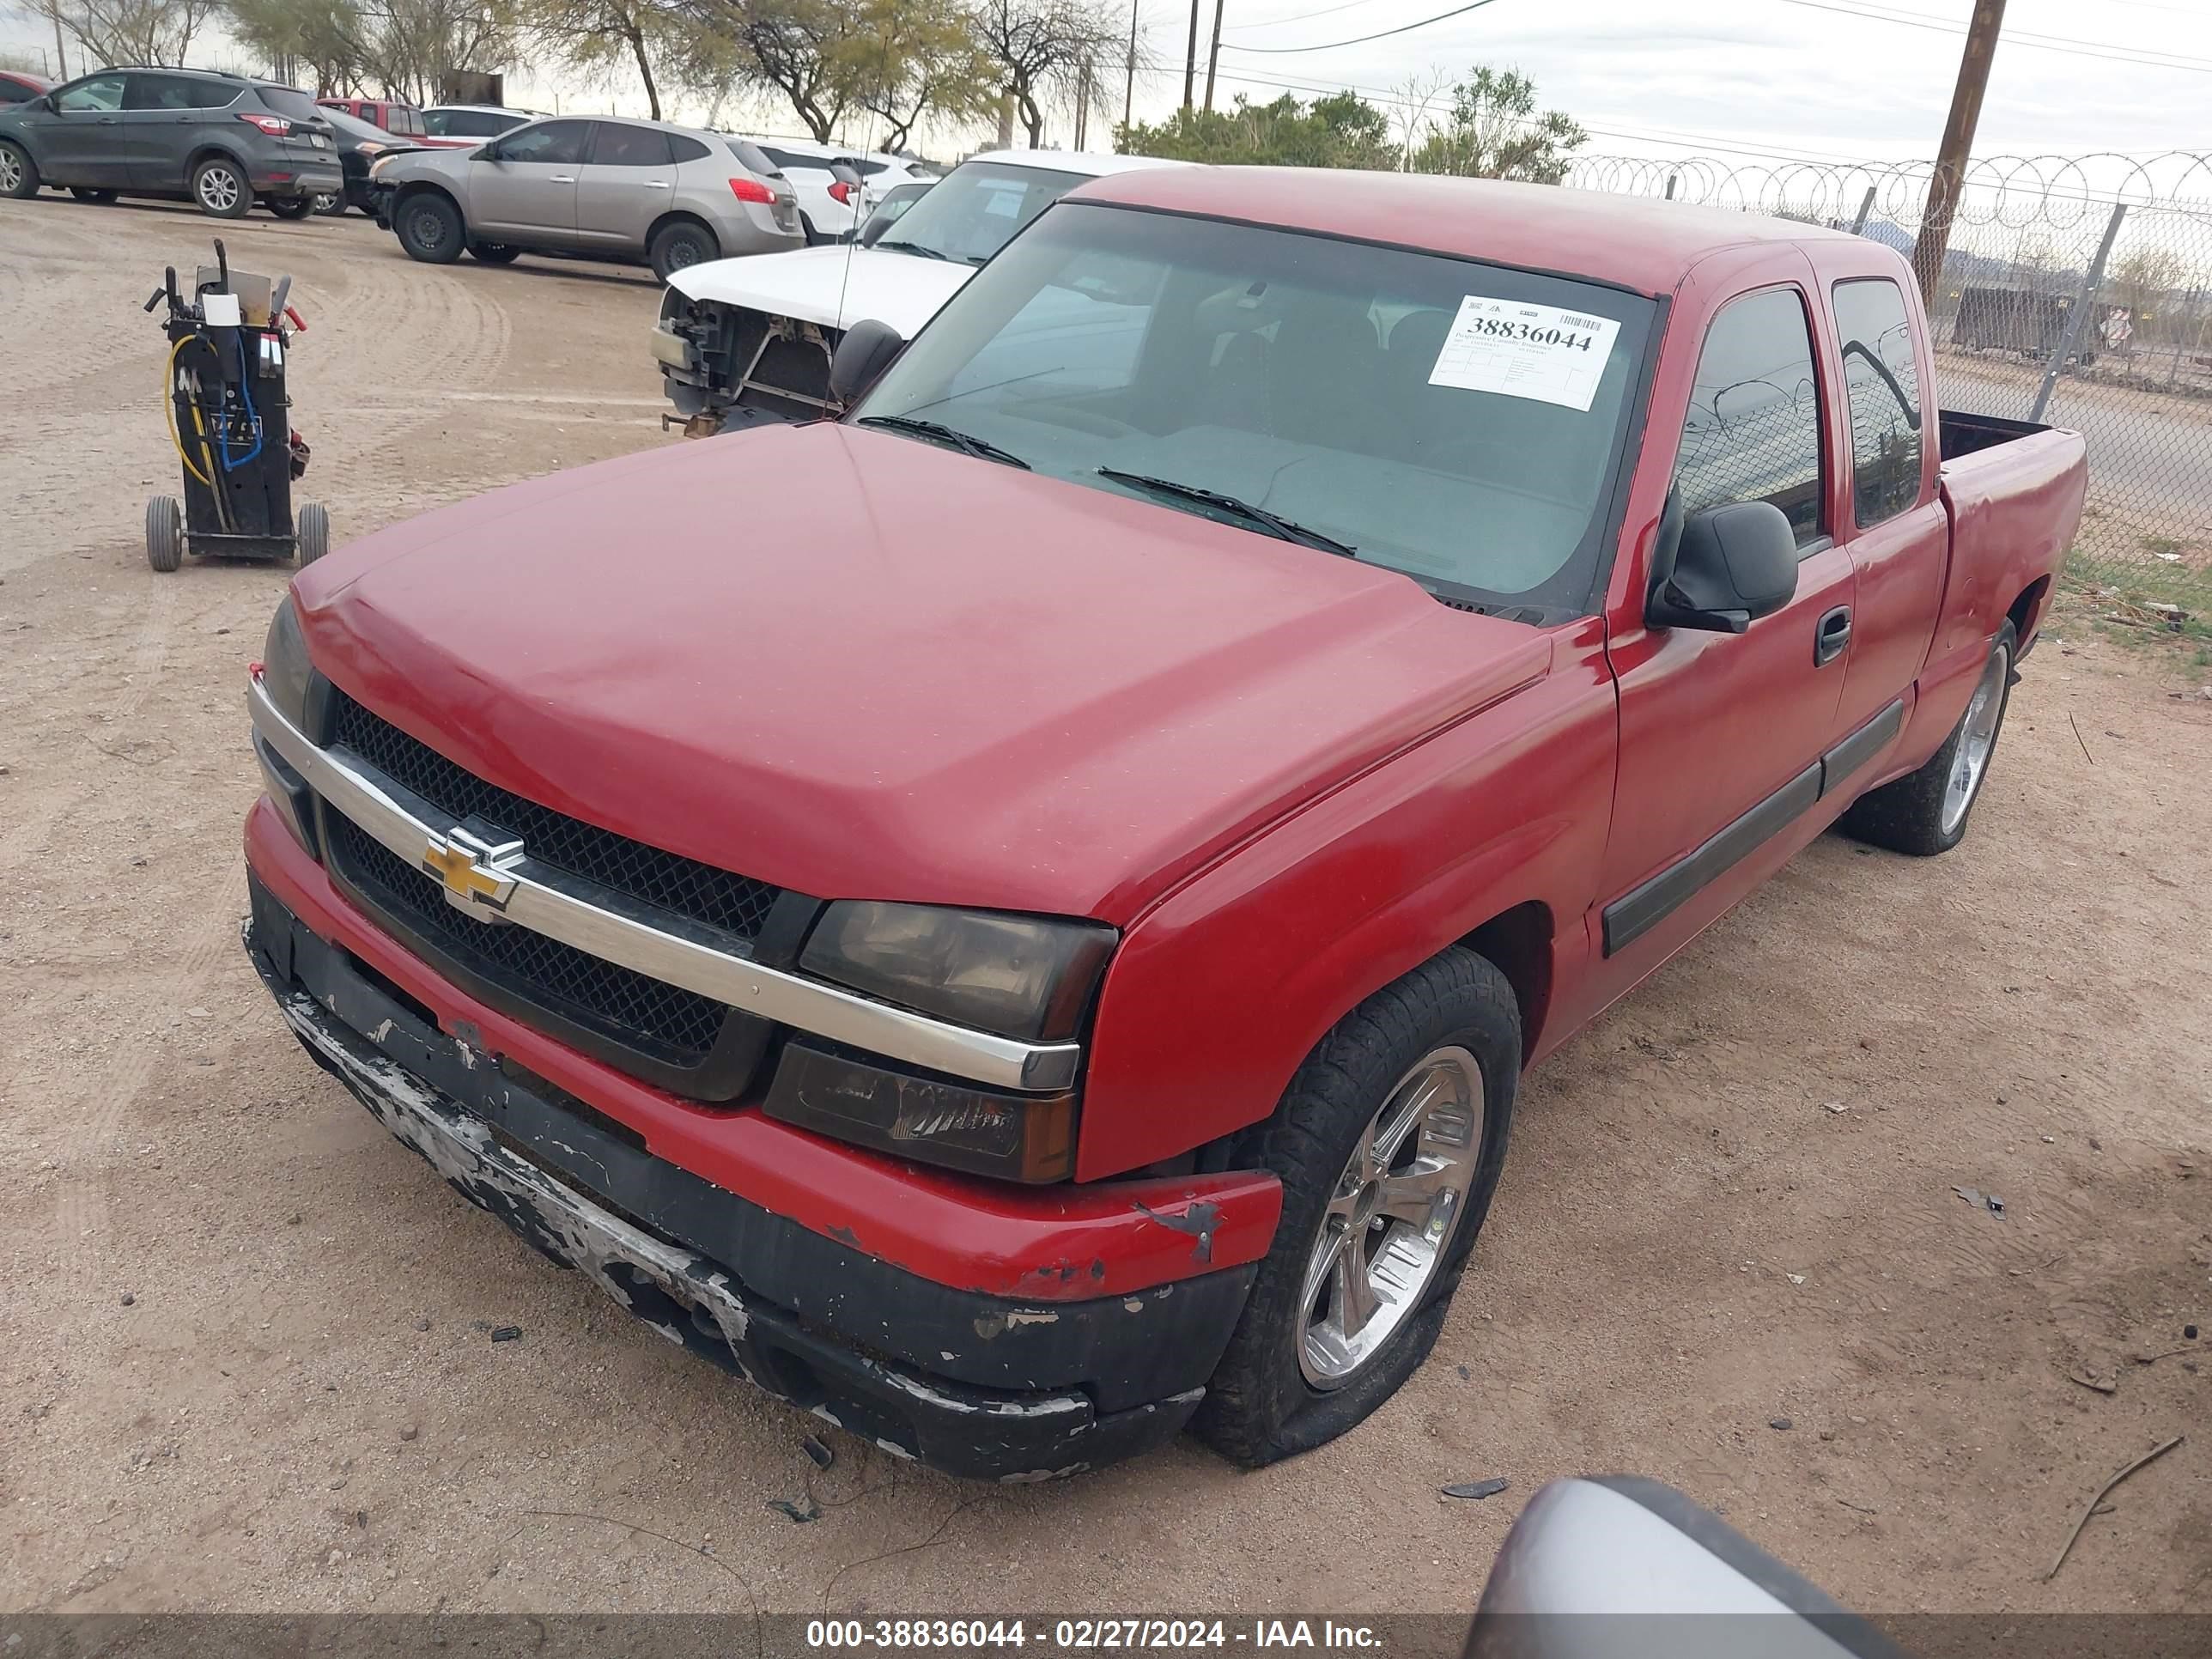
1631, 242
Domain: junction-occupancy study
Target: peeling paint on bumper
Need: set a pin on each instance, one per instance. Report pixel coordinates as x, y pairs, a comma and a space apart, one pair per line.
422, 1084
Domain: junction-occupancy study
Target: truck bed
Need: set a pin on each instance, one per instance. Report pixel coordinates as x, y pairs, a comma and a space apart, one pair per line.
2014, 492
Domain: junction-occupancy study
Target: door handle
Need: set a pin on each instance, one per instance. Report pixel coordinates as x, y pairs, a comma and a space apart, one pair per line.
1833, 633
562, 178
655, 184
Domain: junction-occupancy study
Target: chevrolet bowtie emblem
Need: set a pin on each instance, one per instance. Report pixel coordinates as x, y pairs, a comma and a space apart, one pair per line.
474, 871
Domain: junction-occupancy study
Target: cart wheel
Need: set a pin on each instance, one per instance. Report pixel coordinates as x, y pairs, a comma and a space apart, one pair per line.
165, 533
314, 533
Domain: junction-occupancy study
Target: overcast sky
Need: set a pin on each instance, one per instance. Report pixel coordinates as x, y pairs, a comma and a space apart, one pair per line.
1817, 77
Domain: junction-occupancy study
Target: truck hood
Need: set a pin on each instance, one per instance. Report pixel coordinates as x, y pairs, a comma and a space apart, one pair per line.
862, 667
834, 286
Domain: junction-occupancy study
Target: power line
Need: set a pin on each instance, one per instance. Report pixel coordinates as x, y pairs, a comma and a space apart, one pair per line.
1381, 34
2047, 43
1270, 23
1906, 15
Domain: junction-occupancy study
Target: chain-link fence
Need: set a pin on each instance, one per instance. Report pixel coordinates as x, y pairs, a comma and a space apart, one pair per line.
2074, 290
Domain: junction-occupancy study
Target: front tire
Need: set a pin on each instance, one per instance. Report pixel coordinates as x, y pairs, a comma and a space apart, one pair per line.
329, 206
494, 253
19, 173
220, 190
680, 245
430, 229
1925, 813
1389, 1143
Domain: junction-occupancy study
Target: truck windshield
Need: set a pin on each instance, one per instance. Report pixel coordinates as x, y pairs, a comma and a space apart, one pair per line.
1461, 423
969, 214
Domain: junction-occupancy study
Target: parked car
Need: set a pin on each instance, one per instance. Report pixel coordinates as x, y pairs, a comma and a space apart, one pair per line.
751, 339
403, 122
220, 141
832, 208
359, 144
891, 209
20, 86
634, 191
1014, 919
473, 123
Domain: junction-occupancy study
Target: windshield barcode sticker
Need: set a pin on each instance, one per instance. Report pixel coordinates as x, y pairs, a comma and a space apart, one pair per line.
1520, 351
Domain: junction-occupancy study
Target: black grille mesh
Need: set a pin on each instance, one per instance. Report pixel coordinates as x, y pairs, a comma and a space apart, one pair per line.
677, 1026
737, 904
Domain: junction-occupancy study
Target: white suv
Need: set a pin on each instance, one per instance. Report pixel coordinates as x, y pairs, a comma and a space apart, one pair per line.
830, 209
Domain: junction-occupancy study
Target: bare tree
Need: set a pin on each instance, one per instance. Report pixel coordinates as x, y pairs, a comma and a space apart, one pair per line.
812, 52
414, 48
126, 31
920, 57
597, 36
1047, 50
1416, 94
325, 36
1495, 132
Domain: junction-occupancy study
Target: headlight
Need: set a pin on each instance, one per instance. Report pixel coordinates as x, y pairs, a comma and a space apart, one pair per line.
284, 673
1017, 976
932, 1120
376, 168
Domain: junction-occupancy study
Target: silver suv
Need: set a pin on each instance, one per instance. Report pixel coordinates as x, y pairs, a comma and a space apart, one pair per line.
596, 189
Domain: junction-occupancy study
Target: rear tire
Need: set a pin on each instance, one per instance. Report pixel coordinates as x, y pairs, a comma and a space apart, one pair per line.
680, 245
291, 207
1925, 813
329, 206
165, 533
102, 198
313, 534
1304, 1364
220, 189
494, 253
430, 228
19, 173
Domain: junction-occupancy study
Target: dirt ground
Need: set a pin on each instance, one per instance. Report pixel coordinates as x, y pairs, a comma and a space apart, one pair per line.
243, 1353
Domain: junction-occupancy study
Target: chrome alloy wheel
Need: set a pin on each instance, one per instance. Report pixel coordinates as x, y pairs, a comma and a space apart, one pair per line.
1391, 1217
11, 170
1977, 736
219, 189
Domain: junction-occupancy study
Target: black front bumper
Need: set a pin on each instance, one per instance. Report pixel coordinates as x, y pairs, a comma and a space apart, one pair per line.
974, 1385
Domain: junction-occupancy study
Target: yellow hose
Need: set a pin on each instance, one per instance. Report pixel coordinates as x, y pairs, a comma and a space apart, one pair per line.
169, 401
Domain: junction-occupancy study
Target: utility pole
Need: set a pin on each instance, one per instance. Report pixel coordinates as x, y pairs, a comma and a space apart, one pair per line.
1129, 89
1213, 58
61, 59
1957, 144
1082, 109
1190, 57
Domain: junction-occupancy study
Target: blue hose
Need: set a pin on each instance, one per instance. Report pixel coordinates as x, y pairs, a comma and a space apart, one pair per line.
254, 420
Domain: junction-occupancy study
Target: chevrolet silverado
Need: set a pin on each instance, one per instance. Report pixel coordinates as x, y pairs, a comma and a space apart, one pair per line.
1028, 939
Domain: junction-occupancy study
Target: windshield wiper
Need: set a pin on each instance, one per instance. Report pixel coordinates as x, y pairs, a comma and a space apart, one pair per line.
1281, 528
914, 247
937, 432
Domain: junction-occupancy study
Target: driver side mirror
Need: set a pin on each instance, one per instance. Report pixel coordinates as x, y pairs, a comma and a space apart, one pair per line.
1732, 564
860, 358
872, 232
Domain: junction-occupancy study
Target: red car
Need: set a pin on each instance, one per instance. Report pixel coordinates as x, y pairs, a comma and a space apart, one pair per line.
1014, 920
20, 87
401, 120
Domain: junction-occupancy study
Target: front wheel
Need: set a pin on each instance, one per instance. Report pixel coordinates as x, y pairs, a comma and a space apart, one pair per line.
429, 228
1389, 1143
1924, 813
220, 189
292, 206
19, 173
330, 206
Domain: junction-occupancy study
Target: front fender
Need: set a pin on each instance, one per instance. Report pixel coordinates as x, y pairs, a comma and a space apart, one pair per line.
1221, 989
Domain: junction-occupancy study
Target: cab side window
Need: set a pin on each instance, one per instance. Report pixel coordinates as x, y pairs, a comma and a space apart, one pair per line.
1881, 385
1752, 432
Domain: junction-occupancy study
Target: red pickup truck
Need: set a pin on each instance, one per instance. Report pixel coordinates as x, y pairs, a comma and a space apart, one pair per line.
1013, 920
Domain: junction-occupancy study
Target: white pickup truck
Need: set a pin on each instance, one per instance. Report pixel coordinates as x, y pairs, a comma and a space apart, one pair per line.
749, 339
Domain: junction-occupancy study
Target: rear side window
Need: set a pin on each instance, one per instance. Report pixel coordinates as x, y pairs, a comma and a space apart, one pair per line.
408, 123
618, 146
15, 92
1881, 384
1752, 432
165, 92
681, 149
754, 159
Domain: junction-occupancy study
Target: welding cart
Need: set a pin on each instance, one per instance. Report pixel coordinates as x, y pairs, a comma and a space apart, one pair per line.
229, 419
